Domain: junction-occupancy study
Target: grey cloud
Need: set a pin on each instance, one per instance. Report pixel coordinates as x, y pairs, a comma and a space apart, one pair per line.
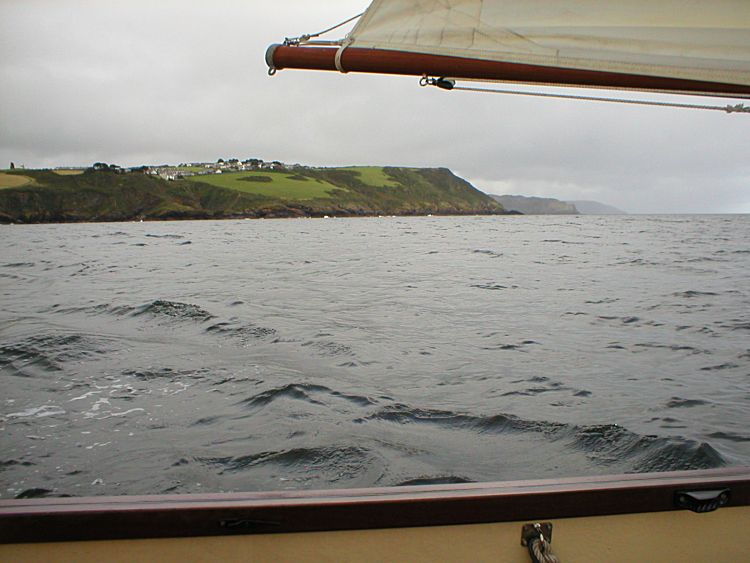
142, 82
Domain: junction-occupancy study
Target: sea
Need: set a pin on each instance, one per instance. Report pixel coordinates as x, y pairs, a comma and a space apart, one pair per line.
260, 355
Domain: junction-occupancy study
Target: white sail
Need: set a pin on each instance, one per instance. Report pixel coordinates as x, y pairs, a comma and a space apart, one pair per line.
703, 40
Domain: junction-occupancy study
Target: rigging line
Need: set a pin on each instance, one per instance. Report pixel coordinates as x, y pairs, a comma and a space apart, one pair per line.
306, 37
739, 108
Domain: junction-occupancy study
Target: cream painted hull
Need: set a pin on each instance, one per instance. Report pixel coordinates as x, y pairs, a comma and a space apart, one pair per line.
660, 537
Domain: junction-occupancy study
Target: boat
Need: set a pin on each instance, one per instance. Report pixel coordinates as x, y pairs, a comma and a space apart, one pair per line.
674, 516
696, 48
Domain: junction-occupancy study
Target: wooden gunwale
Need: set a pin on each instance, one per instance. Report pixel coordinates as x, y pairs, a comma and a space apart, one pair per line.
358, 59
160, 516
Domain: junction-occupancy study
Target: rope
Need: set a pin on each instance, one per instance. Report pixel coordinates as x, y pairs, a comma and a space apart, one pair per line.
305, 38
541, 551
339, 53
442, 82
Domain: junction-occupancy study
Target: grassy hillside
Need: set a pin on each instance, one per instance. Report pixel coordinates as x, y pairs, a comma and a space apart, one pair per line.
46, 196
13, 180
287, 186
372, 176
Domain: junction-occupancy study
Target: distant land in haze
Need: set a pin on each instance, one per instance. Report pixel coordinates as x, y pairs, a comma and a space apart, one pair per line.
596, 208
550, 206
535, 205
234, 189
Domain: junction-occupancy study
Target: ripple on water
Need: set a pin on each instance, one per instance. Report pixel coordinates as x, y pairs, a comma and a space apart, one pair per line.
162, 308
242, 331
37, 412
305, 392
50, 353
679, 403
604, 445
324, 466
692, 294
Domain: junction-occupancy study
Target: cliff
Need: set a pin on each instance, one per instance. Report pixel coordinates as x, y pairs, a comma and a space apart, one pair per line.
34, 196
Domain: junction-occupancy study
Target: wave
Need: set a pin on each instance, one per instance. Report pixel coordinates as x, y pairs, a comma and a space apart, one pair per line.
490, 253
493, 286
50, 352
165, 310
36, 492
605, 445
329, 348
679, 402
692, 293
162, 308
730, 436
563, 241
243, 331
166, 373
727, 365
436, 480
14, 462
735, 324
307, 392
37, 412
520, 347
324, 465
673, 347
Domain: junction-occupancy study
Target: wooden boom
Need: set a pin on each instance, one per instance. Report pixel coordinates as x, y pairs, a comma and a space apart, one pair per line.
357, 59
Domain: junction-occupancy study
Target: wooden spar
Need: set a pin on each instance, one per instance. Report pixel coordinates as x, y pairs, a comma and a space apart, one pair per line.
357, 59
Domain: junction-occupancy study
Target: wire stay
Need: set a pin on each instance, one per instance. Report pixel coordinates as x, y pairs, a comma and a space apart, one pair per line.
450, 84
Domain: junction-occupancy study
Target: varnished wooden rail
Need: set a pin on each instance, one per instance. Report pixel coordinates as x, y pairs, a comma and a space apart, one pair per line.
160, 516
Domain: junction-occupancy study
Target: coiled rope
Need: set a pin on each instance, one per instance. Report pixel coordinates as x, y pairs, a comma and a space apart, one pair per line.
540, 549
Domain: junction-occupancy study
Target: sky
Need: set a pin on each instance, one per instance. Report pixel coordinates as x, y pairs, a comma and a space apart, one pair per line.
141, 82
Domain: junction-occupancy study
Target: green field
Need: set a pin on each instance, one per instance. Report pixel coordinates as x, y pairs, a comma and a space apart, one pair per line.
13, 180
281, 185
372, 176
68, 172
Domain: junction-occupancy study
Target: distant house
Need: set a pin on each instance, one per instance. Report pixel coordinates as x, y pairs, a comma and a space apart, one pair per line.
173, 173
252, 162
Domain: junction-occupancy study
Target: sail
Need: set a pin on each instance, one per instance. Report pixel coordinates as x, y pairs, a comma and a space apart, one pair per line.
678, 45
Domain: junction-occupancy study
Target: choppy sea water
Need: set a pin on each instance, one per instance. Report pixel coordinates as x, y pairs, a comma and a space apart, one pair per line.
208, 356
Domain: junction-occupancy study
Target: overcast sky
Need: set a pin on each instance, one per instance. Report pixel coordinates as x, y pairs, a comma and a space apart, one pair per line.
178, 81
